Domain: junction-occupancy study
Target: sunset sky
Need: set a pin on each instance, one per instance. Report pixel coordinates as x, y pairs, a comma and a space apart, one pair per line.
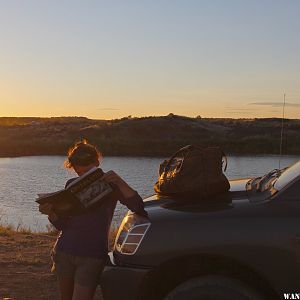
109, 59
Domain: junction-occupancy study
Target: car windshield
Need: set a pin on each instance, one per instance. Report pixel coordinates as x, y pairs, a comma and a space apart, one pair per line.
265, 182
287, 176
276, 179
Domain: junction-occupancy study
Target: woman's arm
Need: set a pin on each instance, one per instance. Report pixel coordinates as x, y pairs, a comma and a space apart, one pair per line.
128, 196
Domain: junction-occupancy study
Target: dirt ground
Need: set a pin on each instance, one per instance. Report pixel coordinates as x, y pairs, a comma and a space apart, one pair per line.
25, 266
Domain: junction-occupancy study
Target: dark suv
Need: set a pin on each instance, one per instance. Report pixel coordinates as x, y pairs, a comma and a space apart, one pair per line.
243, 245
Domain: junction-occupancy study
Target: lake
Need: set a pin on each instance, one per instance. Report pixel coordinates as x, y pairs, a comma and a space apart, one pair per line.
22, 178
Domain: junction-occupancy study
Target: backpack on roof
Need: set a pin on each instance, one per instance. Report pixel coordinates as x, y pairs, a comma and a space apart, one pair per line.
193, 172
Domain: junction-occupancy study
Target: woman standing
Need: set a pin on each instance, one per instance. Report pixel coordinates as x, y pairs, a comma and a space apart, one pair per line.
81, 248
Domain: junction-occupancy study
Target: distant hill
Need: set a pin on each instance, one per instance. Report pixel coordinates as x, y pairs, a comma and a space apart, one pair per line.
146, 136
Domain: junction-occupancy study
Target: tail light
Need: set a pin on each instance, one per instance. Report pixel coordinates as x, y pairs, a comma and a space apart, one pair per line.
131, 233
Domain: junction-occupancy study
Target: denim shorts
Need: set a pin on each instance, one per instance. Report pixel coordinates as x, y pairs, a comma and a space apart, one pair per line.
85, 271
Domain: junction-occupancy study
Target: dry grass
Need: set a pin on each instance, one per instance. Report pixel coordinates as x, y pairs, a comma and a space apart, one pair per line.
25, 264
10, 229
6, 230
33, 259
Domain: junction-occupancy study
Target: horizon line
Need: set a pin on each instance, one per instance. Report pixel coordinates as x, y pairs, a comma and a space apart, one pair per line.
140, 117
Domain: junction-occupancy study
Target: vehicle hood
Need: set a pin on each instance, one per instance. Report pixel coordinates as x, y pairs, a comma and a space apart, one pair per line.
237, 191
238, 185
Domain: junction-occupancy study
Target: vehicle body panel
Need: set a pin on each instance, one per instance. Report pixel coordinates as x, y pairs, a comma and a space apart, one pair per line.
258, 231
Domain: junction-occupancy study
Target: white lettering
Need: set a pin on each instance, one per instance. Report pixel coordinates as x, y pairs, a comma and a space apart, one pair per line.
295, 296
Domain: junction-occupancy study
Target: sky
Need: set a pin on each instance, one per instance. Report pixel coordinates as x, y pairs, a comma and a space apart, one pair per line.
110, 59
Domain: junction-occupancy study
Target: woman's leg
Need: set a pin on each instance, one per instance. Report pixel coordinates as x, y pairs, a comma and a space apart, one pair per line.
87, 277
83, 292
64, 268
66, 288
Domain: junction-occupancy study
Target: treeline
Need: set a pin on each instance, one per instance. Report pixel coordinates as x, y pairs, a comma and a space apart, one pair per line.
147, 136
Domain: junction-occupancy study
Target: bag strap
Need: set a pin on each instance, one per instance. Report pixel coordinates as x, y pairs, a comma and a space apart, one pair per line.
181, 150
225, 159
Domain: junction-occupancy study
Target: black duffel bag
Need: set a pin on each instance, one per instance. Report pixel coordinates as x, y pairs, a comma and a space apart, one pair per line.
193, 172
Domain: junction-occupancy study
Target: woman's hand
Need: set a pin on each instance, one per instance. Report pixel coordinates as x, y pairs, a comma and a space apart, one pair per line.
113, 177
47, 209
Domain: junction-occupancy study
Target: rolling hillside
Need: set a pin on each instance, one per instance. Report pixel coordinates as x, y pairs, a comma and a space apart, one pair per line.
147, 136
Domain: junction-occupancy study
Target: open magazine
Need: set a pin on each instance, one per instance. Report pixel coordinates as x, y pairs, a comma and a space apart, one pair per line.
83, 193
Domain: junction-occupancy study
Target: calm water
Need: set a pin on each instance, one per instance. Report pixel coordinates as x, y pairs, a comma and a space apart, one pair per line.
22, 178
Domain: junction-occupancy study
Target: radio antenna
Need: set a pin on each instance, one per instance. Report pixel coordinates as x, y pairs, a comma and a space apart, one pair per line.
281, 135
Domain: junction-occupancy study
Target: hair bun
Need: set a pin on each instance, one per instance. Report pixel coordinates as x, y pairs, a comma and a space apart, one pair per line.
82, 154
81, 142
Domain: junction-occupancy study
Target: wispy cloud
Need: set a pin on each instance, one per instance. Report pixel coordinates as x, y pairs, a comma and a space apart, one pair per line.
108, 108
237, 110
275, 104
240, 109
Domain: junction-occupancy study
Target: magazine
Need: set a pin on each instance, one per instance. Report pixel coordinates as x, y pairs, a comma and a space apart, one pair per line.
83, 193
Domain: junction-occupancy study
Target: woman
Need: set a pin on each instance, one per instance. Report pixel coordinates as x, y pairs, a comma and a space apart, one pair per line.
81, 248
